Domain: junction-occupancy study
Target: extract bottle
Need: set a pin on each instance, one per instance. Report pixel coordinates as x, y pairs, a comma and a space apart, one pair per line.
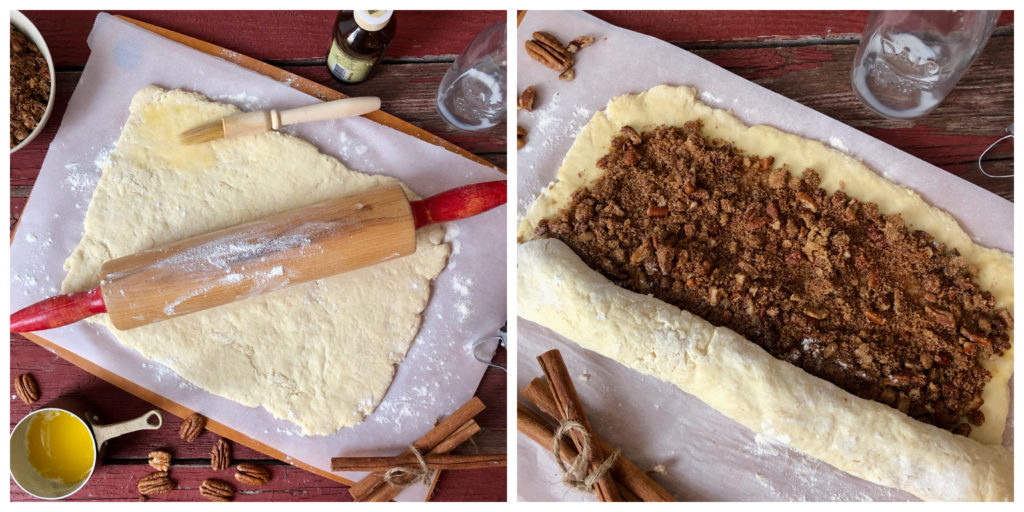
359, 41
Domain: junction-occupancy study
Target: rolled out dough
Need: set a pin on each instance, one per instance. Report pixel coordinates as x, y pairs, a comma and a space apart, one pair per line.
723, 369
320, 354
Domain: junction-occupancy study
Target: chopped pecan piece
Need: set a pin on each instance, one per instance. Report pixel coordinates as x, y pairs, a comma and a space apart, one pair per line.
568, 75
527, 99
160, 460
657, 211
579, 43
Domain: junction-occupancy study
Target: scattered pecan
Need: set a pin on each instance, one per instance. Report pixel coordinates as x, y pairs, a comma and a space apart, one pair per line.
26, 388
568, 75
155, 483
526, 100
542, 54
251, 474
550, 41
160, 460
220, 455
520, 137
579, 43
192, 427
766, 163
216, 490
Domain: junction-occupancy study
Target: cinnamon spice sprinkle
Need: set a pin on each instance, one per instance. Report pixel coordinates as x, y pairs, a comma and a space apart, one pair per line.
823, 281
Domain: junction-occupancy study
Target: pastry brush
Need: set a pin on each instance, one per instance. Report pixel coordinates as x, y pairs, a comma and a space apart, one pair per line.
261, 256
249, 123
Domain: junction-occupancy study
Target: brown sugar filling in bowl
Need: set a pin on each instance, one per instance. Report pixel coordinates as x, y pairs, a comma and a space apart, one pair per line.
822, 281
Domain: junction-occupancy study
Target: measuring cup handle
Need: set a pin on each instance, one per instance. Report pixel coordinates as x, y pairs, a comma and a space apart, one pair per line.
105, 433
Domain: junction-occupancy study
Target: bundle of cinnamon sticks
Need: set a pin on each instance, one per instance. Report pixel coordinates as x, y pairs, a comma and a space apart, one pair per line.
556, 399
434, 448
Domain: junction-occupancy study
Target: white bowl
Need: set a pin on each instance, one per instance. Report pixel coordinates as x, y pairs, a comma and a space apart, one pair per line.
26, 27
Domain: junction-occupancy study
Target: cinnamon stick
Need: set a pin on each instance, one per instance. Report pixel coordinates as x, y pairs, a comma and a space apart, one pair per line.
446, 461
567, 403
535, 427
424, 444
626, 473
386, 492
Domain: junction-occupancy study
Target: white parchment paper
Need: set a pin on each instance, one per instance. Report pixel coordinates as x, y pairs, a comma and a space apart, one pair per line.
707, 456
439, 373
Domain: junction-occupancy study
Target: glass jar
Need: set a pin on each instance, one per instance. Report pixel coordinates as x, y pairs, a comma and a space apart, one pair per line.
472, 92
908, 61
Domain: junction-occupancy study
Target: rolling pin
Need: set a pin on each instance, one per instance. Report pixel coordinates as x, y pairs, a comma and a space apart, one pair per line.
261, 256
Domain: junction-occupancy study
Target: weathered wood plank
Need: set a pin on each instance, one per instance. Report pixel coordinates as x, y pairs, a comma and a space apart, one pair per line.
273, 35
715, 28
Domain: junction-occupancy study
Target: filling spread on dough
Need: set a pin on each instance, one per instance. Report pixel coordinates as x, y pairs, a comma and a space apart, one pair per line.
822, 281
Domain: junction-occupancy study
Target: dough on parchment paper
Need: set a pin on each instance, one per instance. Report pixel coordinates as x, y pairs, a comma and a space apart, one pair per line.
320, 354
879, 445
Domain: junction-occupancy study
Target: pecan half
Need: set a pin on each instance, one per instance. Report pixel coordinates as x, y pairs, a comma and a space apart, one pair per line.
192, 427
251, 474
542, 54
26, 388
216, 490
160, 460
549, 40
156, 483
579, 43
220, 455
526, 100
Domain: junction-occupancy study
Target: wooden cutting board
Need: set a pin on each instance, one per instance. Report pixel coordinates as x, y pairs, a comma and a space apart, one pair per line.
306, 86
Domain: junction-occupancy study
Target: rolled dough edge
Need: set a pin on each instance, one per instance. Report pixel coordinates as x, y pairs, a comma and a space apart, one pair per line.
739, 379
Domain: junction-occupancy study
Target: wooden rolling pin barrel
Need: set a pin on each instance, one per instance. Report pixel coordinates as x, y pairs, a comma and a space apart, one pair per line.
261, 256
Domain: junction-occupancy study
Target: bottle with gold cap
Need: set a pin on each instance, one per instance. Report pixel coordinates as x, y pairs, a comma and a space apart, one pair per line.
359, 42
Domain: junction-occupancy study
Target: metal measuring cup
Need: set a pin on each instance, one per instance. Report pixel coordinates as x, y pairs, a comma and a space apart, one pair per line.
27, 476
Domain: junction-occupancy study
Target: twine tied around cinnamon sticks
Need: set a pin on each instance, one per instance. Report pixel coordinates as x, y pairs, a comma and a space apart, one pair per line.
556, 399
400, 476
578, 475
430, 453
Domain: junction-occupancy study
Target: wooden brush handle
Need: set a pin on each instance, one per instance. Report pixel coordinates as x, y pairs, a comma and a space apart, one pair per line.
250, 123
258, 257
345, 107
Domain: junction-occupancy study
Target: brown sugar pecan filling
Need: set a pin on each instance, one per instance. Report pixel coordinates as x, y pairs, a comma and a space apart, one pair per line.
822, 281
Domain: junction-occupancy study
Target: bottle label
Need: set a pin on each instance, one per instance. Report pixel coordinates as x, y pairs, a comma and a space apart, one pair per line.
346, 68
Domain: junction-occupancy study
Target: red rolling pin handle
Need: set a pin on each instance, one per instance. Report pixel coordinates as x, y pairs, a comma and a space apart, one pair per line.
459, 203
58, 311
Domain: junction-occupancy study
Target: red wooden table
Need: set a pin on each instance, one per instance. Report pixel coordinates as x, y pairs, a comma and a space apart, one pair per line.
425, 46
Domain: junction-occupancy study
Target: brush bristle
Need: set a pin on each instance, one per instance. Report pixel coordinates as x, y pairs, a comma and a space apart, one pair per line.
201, 134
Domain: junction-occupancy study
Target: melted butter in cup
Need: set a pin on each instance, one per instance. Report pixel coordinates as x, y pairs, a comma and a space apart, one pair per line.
53, 453
60, 447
